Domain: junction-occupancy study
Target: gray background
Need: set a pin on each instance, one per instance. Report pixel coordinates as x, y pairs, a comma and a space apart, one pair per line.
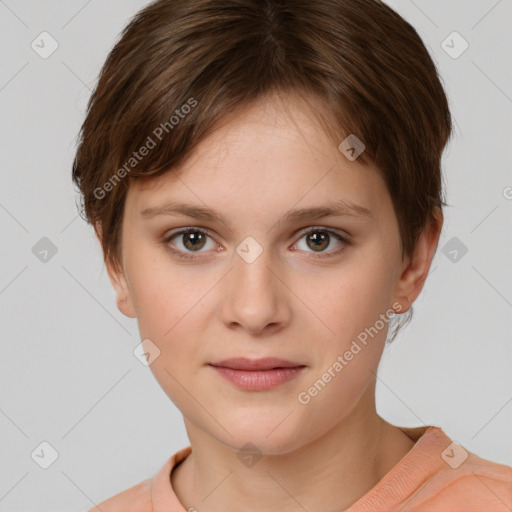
67, 372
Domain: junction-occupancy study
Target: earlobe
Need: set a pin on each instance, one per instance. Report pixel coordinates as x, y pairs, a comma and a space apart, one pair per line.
118, 281
123, 298
415, 272
400, 308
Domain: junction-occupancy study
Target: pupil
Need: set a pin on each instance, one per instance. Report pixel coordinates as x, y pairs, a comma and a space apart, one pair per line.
319, 240
194, 240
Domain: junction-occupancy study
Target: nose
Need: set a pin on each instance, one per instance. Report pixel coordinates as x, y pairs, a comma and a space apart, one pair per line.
254, 297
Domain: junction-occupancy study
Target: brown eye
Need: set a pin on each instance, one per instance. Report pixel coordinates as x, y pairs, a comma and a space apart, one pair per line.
318, 241
188, 241
194, 240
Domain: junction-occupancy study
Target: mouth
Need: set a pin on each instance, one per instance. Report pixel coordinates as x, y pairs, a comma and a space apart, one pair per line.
258, 374
266, 363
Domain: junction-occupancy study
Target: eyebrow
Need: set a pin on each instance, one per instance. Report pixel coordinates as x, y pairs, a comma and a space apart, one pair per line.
340, 208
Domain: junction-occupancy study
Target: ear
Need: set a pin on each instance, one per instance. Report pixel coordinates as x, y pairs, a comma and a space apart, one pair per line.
118, 280
415, 269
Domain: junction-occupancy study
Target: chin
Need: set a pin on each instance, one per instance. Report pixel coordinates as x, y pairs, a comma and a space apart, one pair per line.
269, 434
258, 443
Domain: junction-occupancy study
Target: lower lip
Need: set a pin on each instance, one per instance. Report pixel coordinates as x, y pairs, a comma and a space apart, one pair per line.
259, 380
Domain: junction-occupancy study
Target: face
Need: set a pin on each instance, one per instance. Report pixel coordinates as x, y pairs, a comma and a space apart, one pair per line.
255, 281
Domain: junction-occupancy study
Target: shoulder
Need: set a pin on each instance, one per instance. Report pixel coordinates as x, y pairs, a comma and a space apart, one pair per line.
477, 484
134, 499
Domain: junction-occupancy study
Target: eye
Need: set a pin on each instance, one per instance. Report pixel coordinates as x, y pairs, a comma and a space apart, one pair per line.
318, 239
192, 240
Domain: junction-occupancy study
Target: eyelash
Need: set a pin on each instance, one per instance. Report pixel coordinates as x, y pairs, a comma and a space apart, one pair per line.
308, 231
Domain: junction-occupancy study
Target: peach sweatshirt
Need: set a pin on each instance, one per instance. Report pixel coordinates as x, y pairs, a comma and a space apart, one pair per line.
436, 475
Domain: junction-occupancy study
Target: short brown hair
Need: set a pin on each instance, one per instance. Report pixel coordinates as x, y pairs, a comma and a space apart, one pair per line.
359, 58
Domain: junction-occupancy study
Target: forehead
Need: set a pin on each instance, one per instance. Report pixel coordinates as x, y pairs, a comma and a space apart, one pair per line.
278, 123
271, 153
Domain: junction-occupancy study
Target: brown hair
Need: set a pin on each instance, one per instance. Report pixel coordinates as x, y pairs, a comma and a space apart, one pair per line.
182, 66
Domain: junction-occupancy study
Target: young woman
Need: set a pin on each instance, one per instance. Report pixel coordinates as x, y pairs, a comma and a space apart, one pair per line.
264, 177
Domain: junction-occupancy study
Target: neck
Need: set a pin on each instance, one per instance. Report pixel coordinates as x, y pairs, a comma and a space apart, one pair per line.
329, 474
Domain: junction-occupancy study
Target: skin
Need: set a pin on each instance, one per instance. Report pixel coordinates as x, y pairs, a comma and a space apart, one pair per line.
269, 159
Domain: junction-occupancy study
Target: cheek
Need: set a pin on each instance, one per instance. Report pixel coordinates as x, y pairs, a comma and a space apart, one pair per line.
169, 307
159, 291
156, 306
352, 309
337, 399
354, 299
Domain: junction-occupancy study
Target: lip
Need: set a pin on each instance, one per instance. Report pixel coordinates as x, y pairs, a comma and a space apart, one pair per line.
265, 363
258, 374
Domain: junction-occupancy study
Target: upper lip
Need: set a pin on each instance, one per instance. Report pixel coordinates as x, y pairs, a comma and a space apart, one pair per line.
266, 363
